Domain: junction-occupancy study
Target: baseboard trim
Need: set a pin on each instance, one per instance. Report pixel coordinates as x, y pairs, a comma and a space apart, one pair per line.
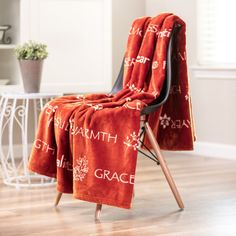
215, 150
212, 150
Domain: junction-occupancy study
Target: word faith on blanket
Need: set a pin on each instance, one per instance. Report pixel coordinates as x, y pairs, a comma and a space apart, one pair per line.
62, 163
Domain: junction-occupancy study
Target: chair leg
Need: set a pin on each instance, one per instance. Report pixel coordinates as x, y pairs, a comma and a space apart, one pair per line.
98, 211
163, 165
58, 198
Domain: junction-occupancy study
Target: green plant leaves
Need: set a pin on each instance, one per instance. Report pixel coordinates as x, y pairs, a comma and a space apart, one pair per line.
31, 51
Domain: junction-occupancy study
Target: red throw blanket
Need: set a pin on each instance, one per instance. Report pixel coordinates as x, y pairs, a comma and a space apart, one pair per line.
89, 142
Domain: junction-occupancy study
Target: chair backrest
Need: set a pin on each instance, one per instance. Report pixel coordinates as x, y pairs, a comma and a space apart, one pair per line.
118, 85
167, 83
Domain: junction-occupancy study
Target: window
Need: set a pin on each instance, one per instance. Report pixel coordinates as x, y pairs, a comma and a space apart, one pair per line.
217, 32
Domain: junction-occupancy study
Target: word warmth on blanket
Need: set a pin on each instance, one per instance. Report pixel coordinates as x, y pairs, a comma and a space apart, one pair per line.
90, 142
86, 133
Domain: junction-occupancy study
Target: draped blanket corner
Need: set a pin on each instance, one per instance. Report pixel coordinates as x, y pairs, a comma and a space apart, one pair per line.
89, 142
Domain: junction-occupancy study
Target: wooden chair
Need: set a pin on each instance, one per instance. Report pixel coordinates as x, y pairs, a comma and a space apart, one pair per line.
157, 155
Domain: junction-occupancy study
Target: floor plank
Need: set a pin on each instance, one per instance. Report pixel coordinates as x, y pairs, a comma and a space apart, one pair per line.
208, 188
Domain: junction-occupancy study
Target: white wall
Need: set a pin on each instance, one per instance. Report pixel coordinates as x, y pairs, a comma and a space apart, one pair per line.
123, 14
78, 35
214, 100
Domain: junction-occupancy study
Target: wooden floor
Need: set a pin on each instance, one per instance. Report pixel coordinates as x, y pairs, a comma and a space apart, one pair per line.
208, 188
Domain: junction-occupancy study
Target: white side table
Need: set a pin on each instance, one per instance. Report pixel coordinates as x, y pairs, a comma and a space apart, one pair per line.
18, 115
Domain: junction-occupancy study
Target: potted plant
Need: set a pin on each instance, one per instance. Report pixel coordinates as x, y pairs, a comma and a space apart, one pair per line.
31, 55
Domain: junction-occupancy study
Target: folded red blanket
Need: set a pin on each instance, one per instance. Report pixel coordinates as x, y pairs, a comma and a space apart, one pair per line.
89, 142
